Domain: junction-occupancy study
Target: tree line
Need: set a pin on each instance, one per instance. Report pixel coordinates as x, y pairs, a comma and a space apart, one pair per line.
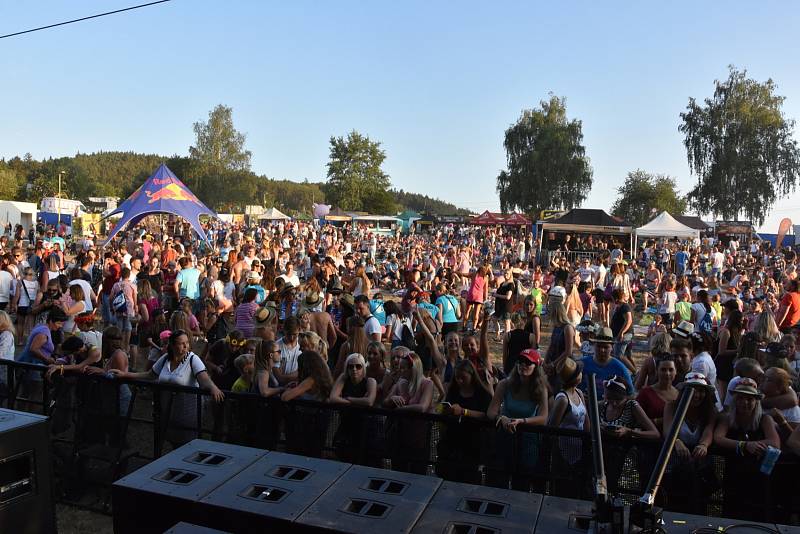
217, 170
739, 146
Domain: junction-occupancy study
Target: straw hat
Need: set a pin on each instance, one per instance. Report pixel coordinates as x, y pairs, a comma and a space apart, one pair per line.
748, 386
684, 329
264, 315
603, 335
569, 370
348, 300
697, 380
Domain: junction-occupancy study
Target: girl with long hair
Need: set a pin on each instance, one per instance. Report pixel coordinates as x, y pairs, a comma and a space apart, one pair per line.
314, 378
357, 342
729, 338
267, 356
519, 400
477, 294
360, 284
562, 339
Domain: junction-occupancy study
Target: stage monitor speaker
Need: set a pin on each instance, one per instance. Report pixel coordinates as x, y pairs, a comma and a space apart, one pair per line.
466, 508
165, 491
558, 515
370, 500
675, 522
269, 494
26, 493
189, 528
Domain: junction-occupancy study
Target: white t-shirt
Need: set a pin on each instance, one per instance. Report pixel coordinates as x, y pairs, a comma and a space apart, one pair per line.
372, 326
288, 356
718, 260
185, 374
703, 363
5, 286
87, 293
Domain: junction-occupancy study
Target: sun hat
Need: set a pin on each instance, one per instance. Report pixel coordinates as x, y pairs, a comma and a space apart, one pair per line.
558, 291
253, 276
697, 380
569, 369
532, 355
603, 336
748, 386
264, 315
348, 300
684, 329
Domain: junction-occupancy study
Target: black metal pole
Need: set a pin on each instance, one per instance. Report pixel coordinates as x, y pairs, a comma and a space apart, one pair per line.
643, 513
600, 483
653, 485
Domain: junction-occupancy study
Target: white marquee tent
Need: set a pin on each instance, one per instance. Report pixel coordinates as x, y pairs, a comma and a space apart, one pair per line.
665, 225
273, 214
23, 213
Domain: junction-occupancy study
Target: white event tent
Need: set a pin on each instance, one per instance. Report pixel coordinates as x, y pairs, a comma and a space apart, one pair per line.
665, 225
273, 214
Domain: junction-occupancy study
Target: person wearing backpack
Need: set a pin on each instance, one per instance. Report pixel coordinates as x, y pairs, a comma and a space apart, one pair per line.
123, 304
449, 310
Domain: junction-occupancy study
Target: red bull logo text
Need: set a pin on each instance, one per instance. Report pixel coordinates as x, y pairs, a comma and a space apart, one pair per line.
171, 192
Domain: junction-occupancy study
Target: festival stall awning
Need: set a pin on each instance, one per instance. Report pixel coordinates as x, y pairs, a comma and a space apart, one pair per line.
162, 192
587, 221
488, 218
665, 225
273, 214
692, 221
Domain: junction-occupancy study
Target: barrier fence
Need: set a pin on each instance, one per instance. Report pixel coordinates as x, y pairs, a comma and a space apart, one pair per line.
103, 428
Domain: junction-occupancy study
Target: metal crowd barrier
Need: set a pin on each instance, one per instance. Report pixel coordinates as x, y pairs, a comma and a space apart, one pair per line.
93, 424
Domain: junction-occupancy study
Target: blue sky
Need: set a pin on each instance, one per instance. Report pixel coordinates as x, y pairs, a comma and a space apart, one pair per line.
436, 82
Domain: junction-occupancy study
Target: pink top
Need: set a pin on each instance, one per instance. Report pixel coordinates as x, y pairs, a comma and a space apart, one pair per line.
476, 289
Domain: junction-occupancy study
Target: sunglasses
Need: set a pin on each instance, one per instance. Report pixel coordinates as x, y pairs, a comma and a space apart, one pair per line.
356, 366
525, 363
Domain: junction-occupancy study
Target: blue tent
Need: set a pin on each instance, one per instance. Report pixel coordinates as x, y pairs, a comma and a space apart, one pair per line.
163, 192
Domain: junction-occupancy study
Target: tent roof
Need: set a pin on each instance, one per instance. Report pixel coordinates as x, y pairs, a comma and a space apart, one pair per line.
692, 221
588, 217
588, 221
162, 192
273, 214
490, 218
22, 207
665, 225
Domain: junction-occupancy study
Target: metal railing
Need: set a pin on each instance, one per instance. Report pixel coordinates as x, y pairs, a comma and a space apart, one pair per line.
90, 415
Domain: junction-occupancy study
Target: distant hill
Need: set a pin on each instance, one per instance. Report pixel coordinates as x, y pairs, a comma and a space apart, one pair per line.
118, 174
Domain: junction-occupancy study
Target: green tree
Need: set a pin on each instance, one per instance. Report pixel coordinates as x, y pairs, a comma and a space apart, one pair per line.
740, 146
9, 184
219, 148
354, 171
645, 195
547, 163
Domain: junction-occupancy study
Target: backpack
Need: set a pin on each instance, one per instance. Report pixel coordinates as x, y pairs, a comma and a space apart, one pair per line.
119, 304
407, 337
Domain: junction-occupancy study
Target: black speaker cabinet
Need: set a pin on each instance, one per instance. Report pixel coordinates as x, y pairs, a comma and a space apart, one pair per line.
370, 500
188, 528
467, 508
270, 494
167, 490
26, 498
563, 516
675, 522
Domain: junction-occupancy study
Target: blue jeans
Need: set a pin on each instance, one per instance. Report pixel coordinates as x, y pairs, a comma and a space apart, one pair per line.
619, 349
109, 318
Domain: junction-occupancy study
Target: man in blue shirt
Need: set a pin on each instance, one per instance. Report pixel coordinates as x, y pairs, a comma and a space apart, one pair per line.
602, 365
681, 257
187, 281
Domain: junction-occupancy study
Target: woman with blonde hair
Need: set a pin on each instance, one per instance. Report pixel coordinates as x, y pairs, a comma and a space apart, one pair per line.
574, 305
767, 328
361, 284
562, 340
310, 340
648, 375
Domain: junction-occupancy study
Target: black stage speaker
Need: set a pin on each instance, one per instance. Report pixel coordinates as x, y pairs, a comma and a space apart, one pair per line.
675, 522
269, 494
26, 498
369, 500
563, 516
189, 528
166, 490
467, 508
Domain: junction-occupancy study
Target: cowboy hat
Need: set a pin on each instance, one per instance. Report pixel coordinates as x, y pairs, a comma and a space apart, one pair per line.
336, 287
748, 386
348, 300
697, 380
569, 369
684, 329
264, 315
603, 335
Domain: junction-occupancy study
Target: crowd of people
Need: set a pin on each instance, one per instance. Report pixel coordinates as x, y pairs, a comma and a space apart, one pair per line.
464, 321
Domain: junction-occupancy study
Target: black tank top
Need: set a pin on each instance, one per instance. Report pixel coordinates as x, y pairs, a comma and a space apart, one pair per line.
354, 390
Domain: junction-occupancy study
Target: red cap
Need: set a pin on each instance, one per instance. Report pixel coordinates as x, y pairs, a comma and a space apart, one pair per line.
532, 355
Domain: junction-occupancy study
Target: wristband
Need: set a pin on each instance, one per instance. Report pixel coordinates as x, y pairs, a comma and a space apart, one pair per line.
62, 370
466, 412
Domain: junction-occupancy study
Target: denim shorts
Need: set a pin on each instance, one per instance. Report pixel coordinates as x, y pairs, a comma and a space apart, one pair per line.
124, 322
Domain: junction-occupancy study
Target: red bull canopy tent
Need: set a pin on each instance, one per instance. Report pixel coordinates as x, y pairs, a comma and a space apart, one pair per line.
163, 192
